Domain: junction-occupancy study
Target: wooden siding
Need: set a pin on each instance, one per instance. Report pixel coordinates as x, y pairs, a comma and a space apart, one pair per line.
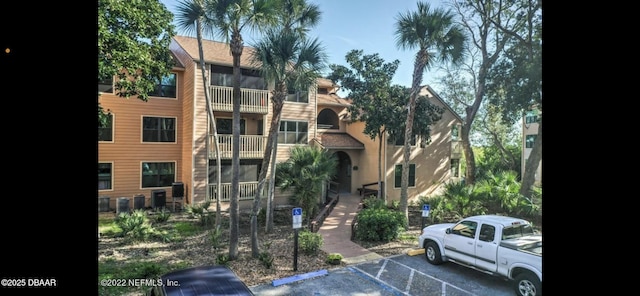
186, 95
127, 151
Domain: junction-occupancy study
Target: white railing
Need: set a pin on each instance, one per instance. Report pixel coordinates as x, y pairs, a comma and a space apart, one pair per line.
251, 100
247, 191
251, 146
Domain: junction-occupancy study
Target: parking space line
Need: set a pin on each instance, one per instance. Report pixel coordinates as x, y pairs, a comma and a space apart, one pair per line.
378, 282
444, 284
382, 268
408, 288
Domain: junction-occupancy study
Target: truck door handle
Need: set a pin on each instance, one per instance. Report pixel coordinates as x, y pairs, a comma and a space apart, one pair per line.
479, 245
470, 243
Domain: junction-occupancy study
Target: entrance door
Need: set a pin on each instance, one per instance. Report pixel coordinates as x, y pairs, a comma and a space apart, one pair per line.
343, 175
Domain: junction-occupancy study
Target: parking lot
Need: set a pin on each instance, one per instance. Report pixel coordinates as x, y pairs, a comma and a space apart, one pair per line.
396, 275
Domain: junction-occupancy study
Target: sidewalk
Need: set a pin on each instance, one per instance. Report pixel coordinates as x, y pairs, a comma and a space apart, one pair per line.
336, 232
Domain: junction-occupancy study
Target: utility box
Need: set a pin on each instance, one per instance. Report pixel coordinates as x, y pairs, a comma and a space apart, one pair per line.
103, 203
123, 205
138, 201
158, 198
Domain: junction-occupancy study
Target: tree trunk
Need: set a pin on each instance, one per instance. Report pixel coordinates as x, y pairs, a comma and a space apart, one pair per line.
418, 70
212, 124
272, 187
380, 137
277, 103
236, 51
529, 178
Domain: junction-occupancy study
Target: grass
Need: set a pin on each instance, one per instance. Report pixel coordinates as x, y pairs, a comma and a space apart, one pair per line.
107, 225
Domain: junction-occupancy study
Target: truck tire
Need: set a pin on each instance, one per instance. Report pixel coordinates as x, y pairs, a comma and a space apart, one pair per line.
527, 284
432, 252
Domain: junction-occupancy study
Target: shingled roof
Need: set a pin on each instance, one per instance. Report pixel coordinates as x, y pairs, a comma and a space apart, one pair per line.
215, 52
339, 141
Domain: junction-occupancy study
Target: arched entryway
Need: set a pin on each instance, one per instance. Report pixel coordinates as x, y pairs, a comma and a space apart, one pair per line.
343, 175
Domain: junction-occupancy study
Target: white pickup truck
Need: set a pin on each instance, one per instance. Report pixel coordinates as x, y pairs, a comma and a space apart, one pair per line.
498, 245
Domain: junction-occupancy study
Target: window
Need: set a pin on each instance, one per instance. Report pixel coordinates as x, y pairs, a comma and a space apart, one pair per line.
323, 91
455, 167
105, 86
223, 76
400, 140
105, 176
297, 96
398, 175
530, 140
487, 233
158, 129
465, 228
225, 126
105, 133
166, 87
455, 133
293, 132
531, 117
158, 174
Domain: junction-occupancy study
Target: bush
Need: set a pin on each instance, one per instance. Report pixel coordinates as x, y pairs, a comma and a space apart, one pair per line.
135, 225
379, 224
334, 258
373, 202
310, 242
163, 216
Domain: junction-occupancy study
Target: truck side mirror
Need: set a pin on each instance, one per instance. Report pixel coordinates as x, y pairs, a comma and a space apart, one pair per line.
448, 231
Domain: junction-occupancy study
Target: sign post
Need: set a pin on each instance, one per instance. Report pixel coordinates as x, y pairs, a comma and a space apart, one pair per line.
297, 224
425, 214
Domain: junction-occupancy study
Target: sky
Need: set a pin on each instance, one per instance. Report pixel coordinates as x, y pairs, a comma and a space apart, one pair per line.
367, 25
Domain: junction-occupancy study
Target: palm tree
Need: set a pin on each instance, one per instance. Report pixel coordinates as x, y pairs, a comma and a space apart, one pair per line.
296, 16
191, 13
307, 170
289, 62
229, 18
437, 38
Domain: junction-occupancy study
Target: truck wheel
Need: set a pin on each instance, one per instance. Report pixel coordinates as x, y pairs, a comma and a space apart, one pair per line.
527, 284
432, 252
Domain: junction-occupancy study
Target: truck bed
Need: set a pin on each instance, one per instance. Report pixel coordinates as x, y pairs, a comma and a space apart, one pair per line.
530, 244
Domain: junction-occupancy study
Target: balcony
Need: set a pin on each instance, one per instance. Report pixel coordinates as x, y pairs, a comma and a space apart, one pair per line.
247, 191
251, 100
251, 146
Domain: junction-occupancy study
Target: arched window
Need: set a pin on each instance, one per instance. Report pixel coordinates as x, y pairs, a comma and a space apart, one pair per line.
328, 119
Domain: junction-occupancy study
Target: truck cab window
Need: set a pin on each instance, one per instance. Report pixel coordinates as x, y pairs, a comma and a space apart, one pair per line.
465, 228
487, 233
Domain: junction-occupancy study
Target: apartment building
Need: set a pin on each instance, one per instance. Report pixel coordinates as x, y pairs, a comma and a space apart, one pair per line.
529, 133
149, 147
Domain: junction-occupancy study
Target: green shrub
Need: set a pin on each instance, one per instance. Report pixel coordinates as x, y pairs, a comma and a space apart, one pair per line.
135, 225
310, 242
373, 202
215, 237
334, 258
222, 259
379, 224
163, 216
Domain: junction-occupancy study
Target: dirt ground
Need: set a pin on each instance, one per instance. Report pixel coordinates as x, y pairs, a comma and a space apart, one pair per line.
198, 249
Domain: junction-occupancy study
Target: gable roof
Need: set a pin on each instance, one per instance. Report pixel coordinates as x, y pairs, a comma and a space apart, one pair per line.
437, 97
214, 52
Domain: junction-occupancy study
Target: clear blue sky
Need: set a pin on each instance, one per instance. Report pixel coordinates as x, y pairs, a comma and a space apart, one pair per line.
368, 25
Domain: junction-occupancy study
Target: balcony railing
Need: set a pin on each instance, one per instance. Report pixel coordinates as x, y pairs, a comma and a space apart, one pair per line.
251, 100
247, 191
251, 146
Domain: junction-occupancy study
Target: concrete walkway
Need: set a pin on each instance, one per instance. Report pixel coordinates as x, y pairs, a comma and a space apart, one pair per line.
336, 231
